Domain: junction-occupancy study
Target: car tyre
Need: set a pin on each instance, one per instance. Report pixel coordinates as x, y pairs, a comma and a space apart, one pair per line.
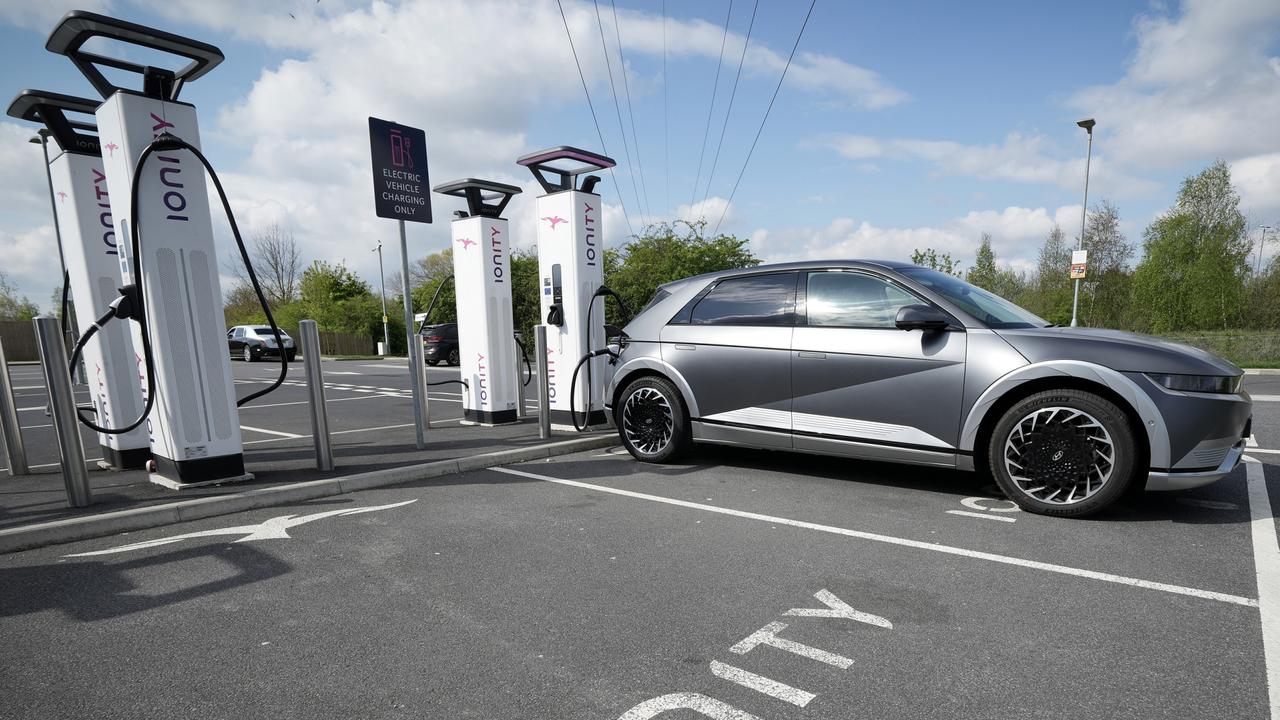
248, 355
1065, 453
433, 363
453, 357
652, 420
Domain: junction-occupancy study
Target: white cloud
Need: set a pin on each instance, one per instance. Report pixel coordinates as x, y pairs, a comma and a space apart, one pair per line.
1016, 236
1018, 158
1258, 180
1201, 84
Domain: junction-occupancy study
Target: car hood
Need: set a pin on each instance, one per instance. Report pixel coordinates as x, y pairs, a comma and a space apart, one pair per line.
1123, 351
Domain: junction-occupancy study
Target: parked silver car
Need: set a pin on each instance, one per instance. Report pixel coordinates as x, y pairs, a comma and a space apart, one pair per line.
890, 361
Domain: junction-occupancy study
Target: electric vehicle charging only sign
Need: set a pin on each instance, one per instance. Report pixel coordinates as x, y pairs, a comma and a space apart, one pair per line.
401, 190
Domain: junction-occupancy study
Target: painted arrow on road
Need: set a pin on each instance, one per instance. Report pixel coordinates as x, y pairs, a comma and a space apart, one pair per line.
272, 529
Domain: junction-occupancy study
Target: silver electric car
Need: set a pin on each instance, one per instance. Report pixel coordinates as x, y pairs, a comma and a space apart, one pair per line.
890, 361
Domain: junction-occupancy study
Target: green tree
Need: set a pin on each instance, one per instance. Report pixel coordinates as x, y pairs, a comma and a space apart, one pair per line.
1105, 293
431, 274
337, 299
13, 307
1195, 261
930, 258
1049, 293
666, 252
984, 271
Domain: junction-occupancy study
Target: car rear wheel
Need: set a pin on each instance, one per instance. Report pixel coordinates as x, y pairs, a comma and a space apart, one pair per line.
433, 363
1066, 453
652, 420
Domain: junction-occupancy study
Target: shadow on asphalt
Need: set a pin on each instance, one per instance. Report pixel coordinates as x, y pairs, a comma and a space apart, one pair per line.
93, 590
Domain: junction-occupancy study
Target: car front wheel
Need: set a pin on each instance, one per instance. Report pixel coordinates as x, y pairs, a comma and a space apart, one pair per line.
453, 357
248, 354
652, 421
1066, 453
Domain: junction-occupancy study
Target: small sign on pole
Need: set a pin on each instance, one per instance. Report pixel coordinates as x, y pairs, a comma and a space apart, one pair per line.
1079, 261
401, 190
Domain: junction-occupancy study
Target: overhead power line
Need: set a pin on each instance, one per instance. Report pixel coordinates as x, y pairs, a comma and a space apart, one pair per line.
626, 86
697, 179
732, 94
603, 146
613, 90
666, 137
765, 119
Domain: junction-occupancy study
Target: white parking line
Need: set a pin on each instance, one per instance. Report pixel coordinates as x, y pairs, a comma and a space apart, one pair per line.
48, 465
1266, 561
264, 431
434, 423
1262, 450
904, 542
1265, 398
986, 515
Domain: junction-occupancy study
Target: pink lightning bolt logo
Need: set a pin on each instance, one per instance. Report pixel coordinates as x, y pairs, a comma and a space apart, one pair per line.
554, 221
111, 148
466, 243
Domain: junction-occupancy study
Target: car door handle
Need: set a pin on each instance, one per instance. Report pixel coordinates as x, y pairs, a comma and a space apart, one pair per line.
813, 355
681, 346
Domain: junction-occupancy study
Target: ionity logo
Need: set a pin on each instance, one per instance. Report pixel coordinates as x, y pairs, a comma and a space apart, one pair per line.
111, 148
554, 221
466, 242
62, 196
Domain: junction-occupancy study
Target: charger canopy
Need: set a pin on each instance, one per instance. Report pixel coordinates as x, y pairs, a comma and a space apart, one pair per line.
566, 163
50, 109
485, 198
79, 27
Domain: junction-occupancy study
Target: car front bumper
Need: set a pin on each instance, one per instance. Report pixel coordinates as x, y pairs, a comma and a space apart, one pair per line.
1169, 481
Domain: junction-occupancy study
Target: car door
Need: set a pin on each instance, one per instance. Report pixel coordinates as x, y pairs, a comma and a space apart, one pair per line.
732, 346
235, 340
862, 386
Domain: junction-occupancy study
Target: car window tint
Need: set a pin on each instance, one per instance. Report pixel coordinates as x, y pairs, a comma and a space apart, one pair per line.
847, 299
757, 300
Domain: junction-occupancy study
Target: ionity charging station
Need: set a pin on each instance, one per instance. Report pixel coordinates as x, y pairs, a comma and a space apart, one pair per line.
570, 273
482, 283
91, 249
194, 424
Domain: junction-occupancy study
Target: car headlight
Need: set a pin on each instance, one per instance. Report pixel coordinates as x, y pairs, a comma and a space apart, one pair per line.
1226, 385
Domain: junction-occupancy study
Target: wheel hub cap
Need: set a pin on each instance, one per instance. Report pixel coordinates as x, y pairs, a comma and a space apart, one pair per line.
647, 420
1059, 455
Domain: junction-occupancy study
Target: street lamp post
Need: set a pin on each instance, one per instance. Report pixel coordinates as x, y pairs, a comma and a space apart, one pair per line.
1084, 209
42, 139
1262, 240
382, 283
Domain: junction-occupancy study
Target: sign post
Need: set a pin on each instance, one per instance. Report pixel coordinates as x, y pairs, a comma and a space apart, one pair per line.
402, 192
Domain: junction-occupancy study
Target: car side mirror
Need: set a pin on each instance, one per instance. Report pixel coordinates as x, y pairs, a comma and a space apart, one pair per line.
921, 317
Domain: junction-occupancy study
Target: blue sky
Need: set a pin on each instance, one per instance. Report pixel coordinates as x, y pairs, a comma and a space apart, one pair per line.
900, 125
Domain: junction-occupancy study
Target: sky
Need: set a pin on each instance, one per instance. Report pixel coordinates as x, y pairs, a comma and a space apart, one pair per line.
898, 125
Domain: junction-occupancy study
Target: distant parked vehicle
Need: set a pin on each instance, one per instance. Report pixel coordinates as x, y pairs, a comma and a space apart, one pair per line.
251, 342
441, 342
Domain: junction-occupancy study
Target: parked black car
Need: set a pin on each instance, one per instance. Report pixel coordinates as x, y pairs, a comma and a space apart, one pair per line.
250, 342
441, 342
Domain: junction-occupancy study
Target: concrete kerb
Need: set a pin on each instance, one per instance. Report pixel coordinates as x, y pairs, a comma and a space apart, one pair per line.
110, 523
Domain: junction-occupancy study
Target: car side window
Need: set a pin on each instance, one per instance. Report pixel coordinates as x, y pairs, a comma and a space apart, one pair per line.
853, 299
767, 300
239, 332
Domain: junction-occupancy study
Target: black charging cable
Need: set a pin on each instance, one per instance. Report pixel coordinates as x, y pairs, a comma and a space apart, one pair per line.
602, 291
131, 303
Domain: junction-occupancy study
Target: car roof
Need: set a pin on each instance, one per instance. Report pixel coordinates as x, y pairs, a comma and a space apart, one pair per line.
799, 265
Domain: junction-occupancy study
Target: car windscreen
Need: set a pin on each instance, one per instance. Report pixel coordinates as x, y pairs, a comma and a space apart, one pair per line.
991, 309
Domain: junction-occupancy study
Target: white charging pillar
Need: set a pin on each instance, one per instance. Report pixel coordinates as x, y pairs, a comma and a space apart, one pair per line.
90, 250
194, 424
482, 285
570, 271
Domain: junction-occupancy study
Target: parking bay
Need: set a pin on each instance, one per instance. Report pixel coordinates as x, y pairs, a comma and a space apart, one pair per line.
504, 594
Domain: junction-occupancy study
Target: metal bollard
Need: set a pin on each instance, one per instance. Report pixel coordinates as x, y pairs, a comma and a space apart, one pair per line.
521, 412
9, 420
425, 408
310, 333
57, 378
544, 382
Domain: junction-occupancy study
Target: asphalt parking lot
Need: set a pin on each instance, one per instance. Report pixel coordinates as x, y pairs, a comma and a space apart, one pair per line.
745, 584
